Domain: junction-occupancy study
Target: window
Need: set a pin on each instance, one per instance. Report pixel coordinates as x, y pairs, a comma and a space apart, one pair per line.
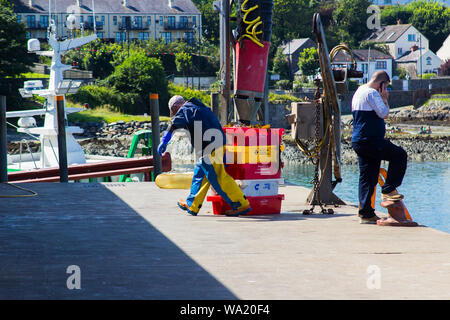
380, 65
121, 36
390, 36
364, 68
171, 21
183, 22
103, 20
167, 36
126, 22
43, 21
149, 21
194, 20
161, 21
189, 37
399, 51
412, 37
143, 36
429, 61
387, 1
31, 21
19, 18
81, 19
138, 22
115, 20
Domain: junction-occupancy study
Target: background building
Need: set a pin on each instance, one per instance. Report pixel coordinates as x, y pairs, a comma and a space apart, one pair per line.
367, 60
399, 38
292, 50
444, 52
417, 62
115, 20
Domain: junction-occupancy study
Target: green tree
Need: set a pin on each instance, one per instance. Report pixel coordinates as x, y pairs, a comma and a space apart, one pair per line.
99, 57
292, 19
183, 61
14, 58
281, 64
350, 18
143, 75
210, 20
98, 60
392, 14
308, 62
430, 17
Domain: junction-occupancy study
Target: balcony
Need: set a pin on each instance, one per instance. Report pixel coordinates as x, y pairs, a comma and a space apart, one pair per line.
90, 25
133, 26
37, 26
178, 26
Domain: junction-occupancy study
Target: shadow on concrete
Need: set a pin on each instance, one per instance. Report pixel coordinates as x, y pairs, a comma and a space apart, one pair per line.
288, 216
119, 253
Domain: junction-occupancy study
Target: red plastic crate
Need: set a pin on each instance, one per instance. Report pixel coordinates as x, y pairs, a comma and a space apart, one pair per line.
251, 171
260, 205
253, 137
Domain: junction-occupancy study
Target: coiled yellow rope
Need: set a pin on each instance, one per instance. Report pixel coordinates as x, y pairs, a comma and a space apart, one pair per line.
250, 30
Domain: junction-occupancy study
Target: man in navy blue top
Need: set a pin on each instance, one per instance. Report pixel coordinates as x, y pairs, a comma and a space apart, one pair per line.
209, 142
370, 108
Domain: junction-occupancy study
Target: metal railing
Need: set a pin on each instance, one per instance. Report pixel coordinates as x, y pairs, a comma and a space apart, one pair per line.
94, 170
178, 26
133, 26
90, 25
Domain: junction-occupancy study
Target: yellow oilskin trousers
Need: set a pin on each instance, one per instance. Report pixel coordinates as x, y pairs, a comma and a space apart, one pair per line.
210, 171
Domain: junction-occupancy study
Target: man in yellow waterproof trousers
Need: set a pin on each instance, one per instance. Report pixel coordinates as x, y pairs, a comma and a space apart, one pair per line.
209, 141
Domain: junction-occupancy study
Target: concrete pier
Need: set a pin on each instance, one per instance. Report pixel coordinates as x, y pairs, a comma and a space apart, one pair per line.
131, 241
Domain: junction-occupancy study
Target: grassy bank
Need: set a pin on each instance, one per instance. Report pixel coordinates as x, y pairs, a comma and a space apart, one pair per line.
104, 114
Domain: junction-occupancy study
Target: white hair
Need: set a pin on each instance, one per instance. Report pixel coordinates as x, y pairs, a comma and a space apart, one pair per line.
176, 101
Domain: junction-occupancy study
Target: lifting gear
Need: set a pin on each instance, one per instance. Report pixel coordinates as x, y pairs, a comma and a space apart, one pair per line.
324, 150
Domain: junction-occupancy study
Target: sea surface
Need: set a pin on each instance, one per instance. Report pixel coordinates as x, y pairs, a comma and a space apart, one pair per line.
426, 188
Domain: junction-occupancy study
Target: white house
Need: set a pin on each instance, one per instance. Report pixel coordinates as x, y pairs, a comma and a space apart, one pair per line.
444, 52
418, 62
367, 60
399, 38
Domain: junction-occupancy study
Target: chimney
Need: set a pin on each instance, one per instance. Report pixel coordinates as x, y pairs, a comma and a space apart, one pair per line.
30, 3
80, 3
399, 21
125, 3
171, 4
414, 48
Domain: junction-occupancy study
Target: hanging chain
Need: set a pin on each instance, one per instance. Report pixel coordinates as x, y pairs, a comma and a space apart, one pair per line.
316, 159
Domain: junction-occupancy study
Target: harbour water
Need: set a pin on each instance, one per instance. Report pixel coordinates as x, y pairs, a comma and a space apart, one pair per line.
426, 187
